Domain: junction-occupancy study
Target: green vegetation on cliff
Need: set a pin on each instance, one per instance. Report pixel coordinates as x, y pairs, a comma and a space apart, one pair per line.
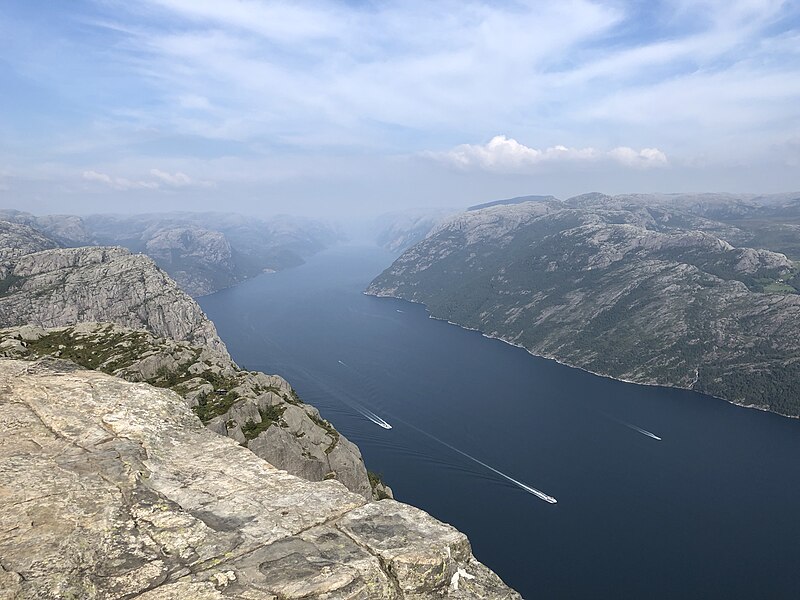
645, 289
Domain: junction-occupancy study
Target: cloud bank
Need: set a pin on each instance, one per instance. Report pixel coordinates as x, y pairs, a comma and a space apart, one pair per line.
506, 155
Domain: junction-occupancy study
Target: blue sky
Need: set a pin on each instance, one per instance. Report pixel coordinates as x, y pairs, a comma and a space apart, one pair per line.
322, 107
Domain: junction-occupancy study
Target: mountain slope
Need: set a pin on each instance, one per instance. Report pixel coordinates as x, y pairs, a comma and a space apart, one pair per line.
154, 332
64, 286
397, 231
618, 287
206, 252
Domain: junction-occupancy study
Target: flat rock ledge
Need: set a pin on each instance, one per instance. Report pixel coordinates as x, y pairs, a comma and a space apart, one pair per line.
111, 489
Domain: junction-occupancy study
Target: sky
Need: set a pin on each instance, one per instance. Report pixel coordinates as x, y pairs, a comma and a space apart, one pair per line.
326, 108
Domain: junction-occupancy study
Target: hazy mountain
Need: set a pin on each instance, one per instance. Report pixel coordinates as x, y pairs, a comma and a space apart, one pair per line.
203, 252
399, 230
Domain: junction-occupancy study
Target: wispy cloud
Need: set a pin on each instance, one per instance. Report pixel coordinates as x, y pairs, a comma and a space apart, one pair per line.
160, 179
172, 179
296, 72
263, 91
118, 183
506, 155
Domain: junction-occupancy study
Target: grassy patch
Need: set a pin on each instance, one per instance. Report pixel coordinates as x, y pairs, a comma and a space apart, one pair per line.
269, 416
294, 398
377, 485
330, 429
214, 405
778, 287
105, 351
8, 284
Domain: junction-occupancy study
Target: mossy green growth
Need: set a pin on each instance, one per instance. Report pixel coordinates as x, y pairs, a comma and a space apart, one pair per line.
10, 282
212, 405
778, 287
269, 416
293, 398
330, 429
106, 350
377, 485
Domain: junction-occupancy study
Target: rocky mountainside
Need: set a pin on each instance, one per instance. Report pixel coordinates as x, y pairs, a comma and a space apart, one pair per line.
202, 252
17, 240
66, 230
156, 333
261, 412
397, 231
111, 489
206, 252
642, 288
64, 286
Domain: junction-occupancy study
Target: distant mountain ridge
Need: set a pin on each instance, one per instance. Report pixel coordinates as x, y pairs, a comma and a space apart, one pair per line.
399, 230
683, 290
510, 201
203, 252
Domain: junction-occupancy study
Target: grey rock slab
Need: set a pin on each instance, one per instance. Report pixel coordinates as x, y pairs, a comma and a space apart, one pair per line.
302, 447
112, 489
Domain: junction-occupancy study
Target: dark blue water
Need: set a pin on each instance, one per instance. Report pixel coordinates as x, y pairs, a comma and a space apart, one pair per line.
711, 511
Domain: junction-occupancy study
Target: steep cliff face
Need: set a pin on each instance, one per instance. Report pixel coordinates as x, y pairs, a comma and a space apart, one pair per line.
199, 260
259, 411
77, 287
110, 489
400, 230
644, 292
206, 252
18, 240
64, 286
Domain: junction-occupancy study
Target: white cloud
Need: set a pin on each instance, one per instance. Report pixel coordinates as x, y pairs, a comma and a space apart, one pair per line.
642, 159
177, 179
159, 181
506, 155
118, 183
95, 176
272, 89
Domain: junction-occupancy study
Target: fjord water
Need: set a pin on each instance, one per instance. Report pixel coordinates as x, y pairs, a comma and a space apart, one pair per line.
712, 510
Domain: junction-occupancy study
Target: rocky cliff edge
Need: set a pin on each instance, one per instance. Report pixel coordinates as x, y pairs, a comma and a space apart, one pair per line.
111, 489
64, 286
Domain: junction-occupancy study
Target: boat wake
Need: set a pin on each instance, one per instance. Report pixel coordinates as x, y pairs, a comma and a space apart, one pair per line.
632, 427
364, 411
373, 417
649, 434
530, 489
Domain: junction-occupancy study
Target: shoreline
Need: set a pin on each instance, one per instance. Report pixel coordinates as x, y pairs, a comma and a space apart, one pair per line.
571, 366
